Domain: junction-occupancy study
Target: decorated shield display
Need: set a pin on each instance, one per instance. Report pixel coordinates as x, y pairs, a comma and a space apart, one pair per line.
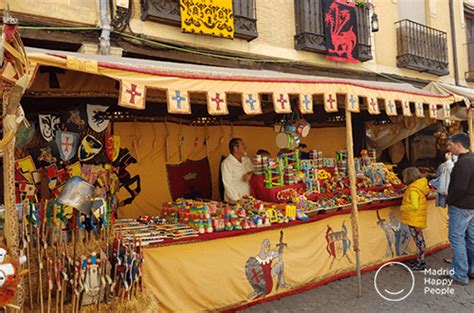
48, 125
89, 148
255, 275
75, 119
112, 146
67, 144
94, 118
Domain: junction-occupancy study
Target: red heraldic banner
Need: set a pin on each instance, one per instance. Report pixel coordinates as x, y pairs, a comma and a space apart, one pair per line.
190, 179
340, 29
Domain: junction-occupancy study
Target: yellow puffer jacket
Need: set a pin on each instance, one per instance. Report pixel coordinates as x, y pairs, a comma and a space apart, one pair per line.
413, 209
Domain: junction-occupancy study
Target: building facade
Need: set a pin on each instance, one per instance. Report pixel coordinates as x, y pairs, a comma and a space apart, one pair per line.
414, 41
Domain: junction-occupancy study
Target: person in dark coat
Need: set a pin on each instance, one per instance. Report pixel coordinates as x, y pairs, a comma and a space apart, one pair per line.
460, 202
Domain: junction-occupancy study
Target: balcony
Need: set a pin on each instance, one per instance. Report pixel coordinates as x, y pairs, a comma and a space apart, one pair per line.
310, 29
168, 12
421, 48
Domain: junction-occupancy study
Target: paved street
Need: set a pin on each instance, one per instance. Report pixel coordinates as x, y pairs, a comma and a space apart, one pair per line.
341, 295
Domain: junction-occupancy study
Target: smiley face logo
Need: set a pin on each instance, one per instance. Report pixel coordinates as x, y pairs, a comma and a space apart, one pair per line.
394, 289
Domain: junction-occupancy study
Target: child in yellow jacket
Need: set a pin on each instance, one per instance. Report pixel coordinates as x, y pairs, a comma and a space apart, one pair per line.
413, 211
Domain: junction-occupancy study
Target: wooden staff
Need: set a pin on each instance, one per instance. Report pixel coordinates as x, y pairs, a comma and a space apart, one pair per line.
49, 269
352, 180
26, 233
40, 269
469, 122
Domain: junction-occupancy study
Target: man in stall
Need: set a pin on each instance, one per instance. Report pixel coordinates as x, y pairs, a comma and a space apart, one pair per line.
236, 169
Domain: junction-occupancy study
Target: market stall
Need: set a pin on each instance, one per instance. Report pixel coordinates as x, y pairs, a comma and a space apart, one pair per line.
203, 254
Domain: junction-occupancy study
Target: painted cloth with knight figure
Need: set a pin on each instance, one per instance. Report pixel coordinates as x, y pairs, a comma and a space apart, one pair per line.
340, 30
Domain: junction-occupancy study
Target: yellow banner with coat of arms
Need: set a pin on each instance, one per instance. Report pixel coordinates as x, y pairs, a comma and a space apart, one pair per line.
207, 17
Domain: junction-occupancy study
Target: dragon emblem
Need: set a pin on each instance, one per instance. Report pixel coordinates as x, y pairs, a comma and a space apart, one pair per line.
344, 41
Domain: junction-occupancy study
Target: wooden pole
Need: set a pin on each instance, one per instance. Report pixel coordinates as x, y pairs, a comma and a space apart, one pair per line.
471, 126
352, 181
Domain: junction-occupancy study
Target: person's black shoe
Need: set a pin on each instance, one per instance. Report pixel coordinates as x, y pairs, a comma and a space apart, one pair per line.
471, 276
418, 267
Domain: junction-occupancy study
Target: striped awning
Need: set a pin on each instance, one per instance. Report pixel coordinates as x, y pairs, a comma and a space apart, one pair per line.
179, 80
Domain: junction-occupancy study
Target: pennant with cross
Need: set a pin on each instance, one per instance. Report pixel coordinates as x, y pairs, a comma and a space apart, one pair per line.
306, 103
447, 110
419, 111
390, 107
373, 105
251, 103
330, 102
132, 95
216, 103
281, 103
178, 102
406, 108
433, 110
352, 103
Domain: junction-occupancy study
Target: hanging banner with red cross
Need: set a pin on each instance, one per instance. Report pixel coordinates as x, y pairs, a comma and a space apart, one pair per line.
330, 102
406, 108
373, 105
178, 102
433, 110
352, 103
446, 111
419, 112
306, 103
281, 103
216, 103
390, 107
251, 103
132, 95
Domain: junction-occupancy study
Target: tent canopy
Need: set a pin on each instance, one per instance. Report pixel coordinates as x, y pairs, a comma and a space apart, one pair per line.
459, 113
180, 82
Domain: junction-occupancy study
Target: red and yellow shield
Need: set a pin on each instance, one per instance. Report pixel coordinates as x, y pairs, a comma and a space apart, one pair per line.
112, 146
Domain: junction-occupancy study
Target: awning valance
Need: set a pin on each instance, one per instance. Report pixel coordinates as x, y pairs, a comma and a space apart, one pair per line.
179, 80
459, 113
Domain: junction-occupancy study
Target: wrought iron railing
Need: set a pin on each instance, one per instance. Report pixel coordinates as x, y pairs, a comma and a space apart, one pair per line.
422, 48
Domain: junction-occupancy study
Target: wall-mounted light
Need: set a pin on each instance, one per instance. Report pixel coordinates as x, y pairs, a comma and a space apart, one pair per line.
374, 22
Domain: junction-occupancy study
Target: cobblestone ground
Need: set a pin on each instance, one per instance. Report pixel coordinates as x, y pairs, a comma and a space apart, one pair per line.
341, 295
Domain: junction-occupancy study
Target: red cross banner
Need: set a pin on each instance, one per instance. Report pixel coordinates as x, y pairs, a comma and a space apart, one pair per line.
390, 107
433, 110
330, 102
373, 106
281, 103
306, 103
406, 108
216, 103
132, 95
251, 103
419, 112
352, 103
178, 102
446, 110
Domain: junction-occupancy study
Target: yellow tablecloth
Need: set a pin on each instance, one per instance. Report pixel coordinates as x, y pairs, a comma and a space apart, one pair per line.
212, 275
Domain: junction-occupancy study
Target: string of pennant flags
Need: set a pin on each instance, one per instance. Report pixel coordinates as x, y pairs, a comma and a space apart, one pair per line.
180, 83
134, 96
